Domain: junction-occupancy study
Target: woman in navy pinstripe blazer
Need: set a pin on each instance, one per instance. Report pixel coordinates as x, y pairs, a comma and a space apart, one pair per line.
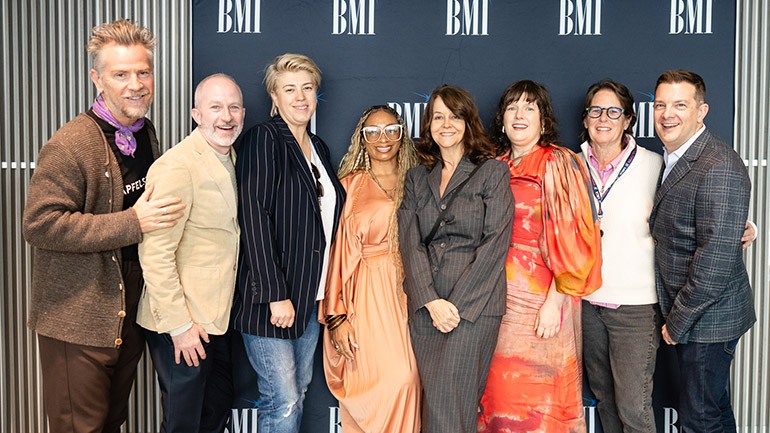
289, 204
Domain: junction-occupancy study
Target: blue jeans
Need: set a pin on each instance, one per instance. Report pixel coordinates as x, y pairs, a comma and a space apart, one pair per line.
284, 369
704, 389
619, 351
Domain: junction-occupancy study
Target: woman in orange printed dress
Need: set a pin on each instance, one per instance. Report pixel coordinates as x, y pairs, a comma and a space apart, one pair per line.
368, 359
534, 382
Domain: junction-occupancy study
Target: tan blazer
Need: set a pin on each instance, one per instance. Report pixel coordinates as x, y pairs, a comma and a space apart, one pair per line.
189, 269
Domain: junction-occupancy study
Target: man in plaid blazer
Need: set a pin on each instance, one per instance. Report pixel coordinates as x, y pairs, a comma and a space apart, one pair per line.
697, 220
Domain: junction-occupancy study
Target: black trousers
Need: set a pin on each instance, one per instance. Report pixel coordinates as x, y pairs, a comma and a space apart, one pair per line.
194, 399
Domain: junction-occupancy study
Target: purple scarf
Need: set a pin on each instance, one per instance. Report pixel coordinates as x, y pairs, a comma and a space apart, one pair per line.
124, 136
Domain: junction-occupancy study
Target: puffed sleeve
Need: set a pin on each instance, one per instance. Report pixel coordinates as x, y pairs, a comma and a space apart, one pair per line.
572, 236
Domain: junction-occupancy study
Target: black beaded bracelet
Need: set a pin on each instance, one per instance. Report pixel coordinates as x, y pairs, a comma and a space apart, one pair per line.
333, 322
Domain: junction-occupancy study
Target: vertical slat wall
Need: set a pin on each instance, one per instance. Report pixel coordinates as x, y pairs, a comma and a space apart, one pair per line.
751, 371
43, 84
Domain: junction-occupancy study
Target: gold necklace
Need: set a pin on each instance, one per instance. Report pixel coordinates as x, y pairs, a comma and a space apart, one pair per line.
388, 192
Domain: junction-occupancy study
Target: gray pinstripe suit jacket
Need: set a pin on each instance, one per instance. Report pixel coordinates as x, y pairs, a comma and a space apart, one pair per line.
465, 262
697, 220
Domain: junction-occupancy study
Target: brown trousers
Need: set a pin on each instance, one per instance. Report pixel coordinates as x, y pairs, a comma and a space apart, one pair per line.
86, 388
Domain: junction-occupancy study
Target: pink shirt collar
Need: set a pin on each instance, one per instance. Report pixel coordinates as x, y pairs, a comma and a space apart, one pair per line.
605, 174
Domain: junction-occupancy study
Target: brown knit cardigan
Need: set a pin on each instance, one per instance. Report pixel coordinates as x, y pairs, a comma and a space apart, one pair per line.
74, 218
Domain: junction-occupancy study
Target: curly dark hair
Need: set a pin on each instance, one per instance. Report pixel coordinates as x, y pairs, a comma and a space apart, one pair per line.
533, 92
476, 142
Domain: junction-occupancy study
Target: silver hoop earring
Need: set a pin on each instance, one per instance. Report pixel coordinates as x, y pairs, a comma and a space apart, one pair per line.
503, 129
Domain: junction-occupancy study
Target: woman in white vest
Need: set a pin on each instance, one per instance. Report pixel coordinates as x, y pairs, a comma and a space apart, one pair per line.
621, 320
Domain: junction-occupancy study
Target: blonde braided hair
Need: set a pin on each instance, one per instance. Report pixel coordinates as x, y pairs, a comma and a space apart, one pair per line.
355, 161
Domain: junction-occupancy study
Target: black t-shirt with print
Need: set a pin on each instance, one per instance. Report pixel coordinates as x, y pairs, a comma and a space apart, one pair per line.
133, 170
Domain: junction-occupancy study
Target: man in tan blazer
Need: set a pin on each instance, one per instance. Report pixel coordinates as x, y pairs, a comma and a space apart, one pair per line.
190, 268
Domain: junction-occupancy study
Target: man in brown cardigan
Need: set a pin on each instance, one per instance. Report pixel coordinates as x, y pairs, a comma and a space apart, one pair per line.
86, 210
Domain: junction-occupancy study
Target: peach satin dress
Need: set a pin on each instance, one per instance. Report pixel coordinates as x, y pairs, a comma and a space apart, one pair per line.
379, 391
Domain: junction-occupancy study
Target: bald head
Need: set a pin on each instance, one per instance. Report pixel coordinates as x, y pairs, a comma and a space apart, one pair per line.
219, 111
218, 78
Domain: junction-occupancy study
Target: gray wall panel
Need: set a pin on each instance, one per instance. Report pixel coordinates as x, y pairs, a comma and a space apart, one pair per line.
751, 371
43, 84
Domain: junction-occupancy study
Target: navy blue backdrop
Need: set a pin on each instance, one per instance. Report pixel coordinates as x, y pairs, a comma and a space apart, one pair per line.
395, 52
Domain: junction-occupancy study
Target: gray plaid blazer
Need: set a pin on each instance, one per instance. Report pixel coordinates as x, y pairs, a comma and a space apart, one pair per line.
697, 221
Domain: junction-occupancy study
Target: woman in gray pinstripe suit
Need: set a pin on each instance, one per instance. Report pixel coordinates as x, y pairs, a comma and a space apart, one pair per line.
455, 282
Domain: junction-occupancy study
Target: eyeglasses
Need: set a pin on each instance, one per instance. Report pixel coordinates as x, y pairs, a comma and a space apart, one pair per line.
319, 189
595, 112
372, 134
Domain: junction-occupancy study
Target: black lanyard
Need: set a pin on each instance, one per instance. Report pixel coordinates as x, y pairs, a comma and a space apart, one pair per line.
599, 196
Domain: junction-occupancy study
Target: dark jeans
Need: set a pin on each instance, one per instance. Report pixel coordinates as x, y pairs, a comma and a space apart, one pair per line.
194, 399
704, 397
619, 350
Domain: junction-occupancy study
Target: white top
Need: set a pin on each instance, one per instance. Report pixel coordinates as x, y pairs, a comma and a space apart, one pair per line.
327, 202
628, 251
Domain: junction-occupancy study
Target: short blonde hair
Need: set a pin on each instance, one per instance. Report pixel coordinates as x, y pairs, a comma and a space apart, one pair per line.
289, 62
122, 32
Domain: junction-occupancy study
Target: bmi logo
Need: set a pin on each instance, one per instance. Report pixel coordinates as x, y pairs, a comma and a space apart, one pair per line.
467, 17
412, 113
693, 17
645, 121
242, 421
239, 16
245, 420
670, 417
335, 425
353, 17
580, 17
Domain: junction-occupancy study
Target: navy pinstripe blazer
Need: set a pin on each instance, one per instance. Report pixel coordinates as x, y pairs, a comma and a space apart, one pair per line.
282, 239
697, 220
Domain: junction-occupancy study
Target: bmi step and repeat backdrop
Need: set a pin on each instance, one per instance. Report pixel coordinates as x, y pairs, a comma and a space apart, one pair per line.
396, 52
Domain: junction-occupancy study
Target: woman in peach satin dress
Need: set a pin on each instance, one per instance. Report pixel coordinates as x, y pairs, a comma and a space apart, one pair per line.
368, 359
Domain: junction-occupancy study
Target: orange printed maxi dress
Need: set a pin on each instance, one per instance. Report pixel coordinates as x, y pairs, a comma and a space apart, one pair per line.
380, 391
535, 384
